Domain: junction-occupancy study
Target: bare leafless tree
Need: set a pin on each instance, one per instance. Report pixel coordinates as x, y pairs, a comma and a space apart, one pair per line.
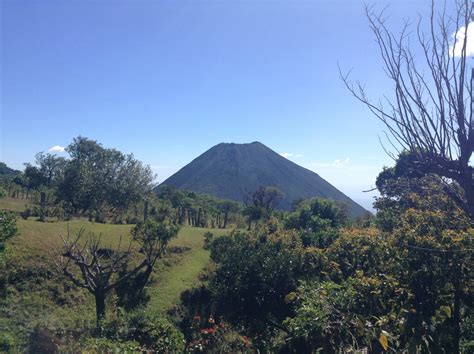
431, 110
99, 270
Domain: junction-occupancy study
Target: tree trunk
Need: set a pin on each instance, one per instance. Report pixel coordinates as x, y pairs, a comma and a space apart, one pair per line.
99, 307
469, 192
467, 184
226, 219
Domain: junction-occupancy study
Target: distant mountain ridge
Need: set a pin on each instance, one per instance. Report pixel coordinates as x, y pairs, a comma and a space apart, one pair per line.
232, 171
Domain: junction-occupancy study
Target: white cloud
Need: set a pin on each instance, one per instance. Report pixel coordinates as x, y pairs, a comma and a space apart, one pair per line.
286, 154
57, 149
341, 163
459, 36
290, 154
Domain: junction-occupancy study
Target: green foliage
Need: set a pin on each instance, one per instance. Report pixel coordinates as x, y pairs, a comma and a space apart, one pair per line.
7, 342
406, 186
331, 316
36, 295
154, 236
410, 288
318, 221
96, 178
105, 345
208, 238
8, 227
215, 336
153, 239
262, 203
7, 173
194, 209
253, 275
48, 171
150, 331
317, 214
156, 333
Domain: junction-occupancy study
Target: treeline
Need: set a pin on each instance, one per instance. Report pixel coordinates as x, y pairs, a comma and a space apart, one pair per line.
108, 186
97, 182
200, 210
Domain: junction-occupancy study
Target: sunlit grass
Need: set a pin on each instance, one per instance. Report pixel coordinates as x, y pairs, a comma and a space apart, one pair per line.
33, 300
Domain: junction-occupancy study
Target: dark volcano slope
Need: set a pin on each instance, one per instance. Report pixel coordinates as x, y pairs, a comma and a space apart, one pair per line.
232, 171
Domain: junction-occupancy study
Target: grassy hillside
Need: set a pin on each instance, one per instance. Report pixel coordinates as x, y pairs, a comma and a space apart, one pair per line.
232, 171
38, 296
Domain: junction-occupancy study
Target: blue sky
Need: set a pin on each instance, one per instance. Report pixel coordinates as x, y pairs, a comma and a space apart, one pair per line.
167, 80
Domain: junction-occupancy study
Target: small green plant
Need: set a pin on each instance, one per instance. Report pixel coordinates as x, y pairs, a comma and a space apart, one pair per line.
208, 238
7, 342
105, 345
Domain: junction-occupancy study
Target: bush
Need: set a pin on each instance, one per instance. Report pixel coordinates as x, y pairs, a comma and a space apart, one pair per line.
216, 337
208, 238
7, 342
25, 214
105, 345
153, 333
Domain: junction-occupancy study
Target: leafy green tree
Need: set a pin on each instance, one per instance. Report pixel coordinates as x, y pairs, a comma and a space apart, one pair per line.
33, 178
50, 167
253, 275
435, 264
7, 172
199, 210
96, 178
403, 186
262, 203
227, 207
317, 220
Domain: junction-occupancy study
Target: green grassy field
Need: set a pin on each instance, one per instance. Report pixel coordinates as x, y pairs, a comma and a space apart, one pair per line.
38, 296
14, 204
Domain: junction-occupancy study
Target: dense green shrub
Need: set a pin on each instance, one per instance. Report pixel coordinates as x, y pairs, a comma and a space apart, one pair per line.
105, 345
7, 342
151, 331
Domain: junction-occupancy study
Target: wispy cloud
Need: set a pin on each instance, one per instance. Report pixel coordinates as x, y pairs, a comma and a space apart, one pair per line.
290, 154
343, 172
57, 149
341, 163
286, 154
456, 49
